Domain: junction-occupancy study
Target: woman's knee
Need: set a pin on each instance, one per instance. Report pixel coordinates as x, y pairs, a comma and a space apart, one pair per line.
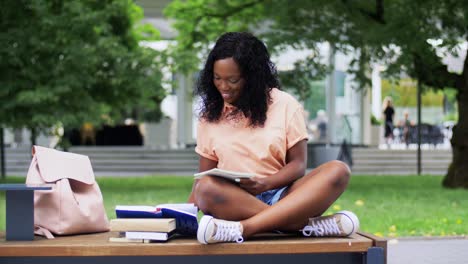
340, 173
207, 192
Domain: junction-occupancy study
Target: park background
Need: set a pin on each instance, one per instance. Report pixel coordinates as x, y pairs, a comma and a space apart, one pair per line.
114, 80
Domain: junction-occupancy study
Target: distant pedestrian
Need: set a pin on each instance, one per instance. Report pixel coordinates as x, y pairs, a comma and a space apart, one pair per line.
322, 121
405, 125
389, 113
88, 134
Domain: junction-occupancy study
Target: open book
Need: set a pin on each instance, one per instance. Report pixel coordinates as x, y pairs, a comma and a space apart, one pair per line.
185, 215
231, 175
148, 211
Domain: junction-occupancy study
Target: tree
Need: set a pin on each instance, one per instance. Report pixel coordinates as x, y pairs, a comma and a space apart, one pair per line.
71, 62
408, 36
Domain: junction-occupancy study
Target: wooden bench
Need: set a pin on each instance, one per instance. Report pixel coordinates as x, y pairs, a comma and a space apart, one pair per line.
95, 248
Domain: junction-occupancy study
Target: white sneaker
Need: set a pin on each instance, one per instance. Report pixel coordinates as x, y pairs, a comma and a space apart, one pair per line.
212, 230
343, 223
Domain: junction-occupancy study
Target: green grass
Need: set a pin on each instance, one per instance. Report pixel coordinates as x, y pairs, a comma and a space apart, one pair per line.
390, 206
396, 206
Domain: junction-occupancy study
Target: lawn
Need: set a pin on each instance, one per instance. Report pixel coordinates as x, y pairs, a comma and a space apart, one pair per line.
390, 206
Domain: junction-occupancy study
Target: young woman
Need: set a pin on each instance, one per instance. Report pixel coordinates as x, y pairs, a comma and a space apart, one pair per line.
248, 125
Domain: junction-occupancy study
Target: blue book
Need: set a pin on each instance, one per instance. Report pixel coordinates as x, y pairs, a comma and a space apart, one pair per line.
186, 223
137, 211
184, 214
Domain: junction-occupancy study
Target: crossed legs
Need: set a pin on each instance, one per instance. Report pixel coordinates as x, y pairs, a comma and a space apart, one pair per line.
307, 197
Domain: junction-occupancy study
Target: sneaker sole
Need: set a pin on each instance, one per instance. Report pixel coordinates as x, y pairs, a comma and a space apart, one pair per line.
353, 219
201, 233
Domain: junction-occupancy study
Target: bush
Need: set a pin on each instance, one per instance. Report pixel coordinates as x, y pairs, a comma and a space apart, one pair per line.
375, 121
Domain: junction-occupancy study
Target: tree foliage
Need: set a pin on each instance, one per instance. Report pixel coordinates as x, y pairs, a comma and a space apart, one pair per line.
395, 34
404, 94
408, 36
74, 61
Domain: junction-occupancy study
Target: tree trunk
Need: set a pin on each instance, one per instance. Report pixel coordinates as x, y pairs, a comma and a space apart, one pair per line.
33, 136
457, 175
2, 154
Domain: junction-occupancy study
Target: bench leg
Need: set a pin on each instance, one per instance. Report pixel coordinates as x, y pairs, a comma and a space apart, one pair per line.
20, 215
375, 255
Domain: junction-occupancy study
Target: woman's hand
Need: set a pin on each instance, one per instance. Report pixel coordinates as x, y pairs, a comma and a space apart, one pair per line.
254, 185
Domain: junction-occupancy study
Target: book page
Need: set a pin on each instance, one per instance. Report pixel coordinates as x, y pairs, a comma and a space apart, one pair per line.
137, 211
143, 224
231, 175
186, 207
136, 208
161, 236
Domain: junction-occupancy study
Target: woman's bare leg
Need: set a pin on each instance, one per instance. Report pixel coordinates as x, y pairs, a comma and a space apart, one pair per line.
309, 196
225, 200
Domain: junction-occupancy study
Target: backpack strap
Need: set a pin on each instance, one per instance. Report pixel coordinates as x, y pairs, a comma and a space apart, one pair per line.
39, 230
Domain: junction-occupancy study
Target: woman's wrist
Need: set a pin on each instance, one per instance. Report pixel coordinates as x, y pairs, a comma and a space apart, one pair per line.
272, 182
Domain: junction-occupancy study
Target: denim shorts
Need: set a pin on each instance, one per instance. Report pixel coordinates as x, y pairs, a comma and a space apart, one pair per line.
272, 196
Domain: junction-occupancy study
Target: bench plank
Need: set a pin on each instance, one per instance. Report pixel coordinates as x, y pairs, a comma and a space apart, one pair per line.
99, 245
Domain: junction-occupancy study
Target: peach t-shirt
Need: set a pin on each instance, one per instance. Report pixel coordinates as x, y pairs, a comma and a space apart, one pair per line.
259, 150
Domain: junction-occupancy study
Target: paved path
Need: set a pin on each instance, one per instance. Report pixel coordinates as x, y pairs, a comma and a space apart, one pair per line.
428, 251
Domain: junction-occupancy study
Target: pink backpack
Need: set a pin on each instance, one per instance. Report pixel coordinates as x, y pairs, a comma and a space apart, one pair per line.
75, 204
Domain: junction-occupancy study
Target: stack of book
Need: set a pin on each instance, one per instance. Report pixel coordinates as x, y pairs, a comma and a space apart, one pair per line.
153, 223
142, 229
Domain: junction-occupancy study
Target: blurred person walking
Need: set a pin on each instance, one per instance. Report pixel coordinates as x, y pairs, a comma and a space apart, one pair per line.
389, 113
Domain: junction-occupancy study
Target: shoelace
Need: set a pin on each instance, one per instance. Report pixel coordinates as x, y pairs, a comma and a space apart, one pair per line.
227, 231
322, 227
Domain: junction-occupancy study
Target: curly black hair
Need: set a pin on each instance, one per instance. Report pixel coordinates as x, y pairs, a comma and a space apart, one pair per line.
257, 70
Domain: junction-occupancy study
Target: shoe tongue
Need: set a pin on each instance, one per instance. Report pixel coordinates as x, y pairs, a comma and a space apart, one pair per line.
338, 223
215, 227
